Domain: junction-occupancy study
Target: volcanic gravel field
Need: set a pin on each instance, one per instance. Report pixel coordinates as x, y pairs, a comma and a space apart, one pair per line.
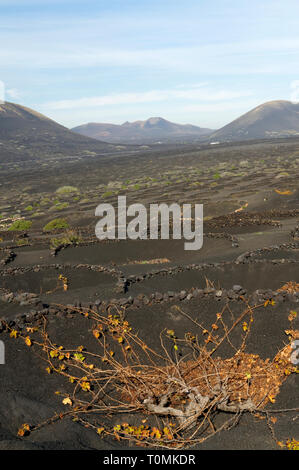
60, 283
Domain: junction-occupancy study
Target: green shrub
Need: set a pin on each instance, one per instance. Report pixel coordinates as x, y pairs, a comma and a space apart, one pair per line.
69, 238
29, 208
45, 201
84, 201
37, 214
67, 189
60, 206
55, 224
108, 194
23, 242
21, 225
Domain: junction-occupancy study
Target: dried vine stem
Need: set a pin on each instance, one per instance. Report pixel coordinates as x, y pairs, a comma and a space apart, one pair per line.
123, 375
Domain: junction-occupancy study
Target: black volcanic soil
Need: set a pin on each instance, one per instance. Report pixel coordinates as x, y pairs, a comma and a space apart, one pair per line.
253, 251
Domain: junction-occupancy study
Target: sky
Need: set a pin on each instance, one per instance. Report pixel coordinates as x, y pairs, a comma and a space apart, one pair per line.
203, 62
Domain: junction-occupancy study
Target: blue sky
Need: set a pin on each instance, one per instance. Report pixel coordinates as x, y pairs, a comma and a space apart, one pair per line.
196, 61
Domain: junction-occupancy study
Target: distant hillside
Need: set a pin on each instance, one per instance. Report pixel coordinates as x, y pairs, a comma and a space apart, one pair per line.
271, 119
26, 134
155, 129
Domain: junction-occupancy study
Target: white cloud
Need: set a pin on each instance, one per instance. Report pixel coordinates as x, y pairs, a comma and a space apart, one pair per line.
192, 93
219, 58
13, 93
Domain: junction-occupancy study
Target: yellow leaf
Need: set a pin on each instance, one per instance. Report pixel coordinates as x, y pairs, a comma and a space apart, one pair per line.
292, 444
280, 444
31, 329
28, 341
85, 386
293, 315
24, 429
79, 357
284, 193
242, 207
67, 401
96, 334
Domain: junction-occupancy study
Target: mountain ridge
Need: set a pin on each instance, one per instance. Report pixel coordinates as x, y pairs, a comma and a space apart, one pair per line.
147, 131
26, 133
278, 118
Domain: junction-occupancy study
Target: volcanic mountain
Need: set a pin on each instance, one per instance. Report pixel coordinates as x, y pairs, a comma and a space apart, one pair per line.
153, 130
26, 134
271, 119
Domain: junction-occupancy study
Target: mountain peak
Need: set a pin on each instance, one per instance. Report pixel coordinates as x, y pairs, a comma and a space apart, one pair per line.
151, 130
155, 120
37, 135
152, 121
12, 110
279, 118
